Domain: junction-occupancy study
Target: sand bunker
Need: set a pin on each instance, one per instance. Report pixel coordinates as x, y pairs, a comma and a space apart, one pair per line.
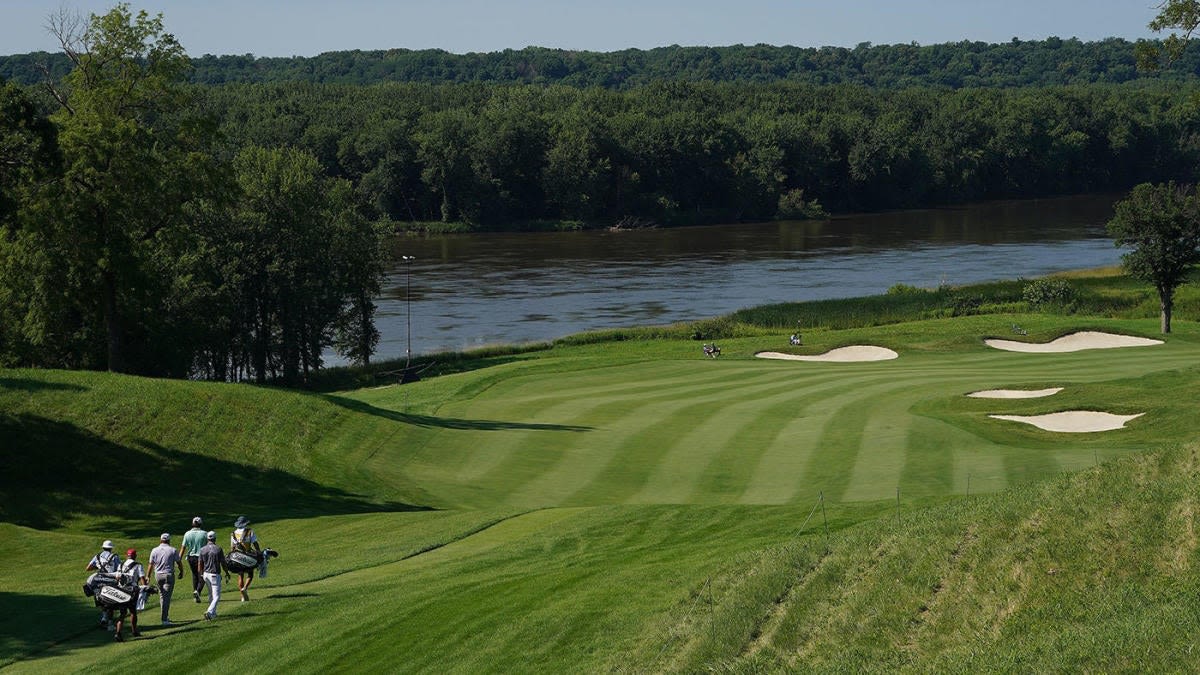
1073, 421
839, 355
1074, 342
1015, 393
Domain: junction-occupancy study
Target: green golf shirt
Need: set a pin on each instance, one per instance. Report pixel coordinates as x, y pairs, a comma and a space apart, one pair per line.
194, 540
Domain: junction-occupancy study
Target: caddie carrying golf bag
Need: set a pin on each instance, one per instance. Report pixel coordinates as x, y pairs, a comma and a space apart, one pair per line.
240, 562
110, 591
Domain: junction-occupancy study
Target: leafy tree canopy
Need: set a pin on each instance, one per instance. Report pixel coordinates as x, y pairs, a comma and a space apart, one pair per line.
1162, 225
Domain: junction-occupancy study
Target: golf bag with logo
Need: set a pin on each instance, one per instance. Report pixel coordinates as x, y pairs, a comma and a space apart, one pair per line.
111, 591
240, 562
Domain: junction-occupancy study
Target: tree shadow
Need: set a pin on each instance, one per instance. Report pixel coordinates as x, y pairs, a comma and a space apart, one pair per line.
34, 626
37, 385
54, 472
448, 422
31, 623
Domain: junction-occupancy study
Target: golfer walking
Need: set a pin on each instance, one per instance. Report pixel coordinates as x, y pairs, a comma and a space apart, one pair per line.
212, 564
193, 541
163, 560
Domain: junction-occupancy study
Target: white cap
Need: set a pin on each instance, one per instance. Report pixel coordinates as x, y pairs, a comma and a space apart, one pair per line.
165, 536
107, 544
212, 535
196, 521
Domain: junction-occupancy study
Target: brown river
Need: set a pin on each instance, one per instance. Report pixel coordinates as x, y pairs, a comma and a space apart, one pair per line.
479, 289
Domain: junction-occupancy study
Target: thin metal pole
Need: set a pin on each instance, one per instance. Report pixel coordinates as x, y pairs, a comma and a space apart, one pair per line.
897, 506
825, 520
408, 261
712, 613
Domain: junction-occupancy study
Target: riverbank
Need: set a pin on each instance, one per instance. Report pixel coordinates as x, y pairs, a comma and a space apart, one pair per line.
1100, 292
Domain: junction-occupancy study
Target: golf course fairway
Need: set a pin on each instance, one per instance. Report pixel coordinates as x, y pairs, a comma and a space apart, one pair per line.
635, 506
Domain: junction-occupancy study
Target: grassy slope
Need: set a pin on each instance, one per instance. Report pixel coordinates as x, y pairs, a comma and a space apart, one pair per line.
1092, 571
679, 486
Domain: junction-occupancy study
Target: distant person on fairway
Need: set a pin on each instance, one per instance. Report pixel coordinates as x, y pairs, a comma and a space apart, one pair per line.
131, 569
242, 539
193, 541
212, 564
163, 560
108, 562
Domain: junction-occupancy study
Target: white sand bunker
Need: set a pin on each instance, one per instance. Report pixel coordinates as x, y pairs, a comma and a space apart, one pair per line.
839, 355
1074, 342
1015, 393
1073, 421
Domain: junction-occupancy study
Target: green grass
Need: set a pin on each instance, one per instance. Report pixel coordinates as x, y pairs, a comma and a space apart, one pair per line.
633, 506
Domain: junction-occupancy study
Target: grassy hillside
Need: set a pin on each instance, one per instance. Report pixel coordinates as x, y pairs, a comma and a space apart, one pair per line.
634, 506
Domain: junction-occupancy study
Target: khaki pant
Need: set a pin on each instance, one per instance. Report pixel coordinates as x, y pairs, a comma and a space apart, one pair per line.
166, 586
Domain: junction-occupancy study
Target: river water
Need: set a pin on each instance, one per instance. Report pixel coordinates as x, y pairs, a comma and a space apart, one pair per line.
474, 290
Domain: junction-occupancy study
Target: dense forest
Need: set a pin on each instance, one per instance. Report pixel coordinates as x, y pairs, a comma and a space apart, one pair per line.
1053, 61
546, 138
676, 153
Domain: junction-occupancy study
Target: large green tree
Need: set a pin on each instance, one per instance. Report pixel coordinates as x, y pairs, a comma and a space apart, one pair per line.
132, 158
28, 159
1181, 18
1161, 223
305, 266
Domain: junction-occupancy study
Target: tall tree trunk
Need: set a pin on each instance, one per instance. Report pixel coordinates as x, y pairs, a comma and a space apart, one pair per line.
1166, 301
112, 322
260, 343
289, 345
366, 326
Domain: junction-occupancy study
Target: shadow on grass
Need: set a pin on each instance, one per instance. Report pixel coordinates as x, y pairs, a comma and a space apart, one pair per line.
37, 385
31, 624
53, 472
448, 422
36, 626
379, 373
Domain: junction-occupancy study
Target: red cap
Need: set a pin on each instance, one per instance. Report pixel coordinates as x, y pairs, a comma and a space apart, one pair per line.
131, 552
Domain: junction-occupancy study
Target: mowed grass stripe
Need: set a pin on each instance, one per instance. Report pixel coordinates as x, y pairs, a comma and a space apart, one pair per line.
667, 457
520, 475
635, 448
774, 444
461, 461
624, 379
883, 449
676, 478
574, 406
842, 420
782, 470
583, 461
934, 464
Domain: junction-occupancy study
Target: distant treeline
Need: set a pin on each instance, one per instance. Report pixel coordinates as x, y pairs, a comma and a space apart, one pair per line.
678, 153
1053, 61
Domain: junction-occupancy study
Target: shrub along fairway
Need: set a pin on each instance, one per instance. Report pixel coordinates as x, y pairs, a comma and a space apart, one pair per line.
635, 506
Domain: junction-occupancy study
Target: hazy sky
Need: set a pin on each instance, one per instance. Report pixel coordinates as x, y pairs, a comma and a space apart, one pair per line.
309, 27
